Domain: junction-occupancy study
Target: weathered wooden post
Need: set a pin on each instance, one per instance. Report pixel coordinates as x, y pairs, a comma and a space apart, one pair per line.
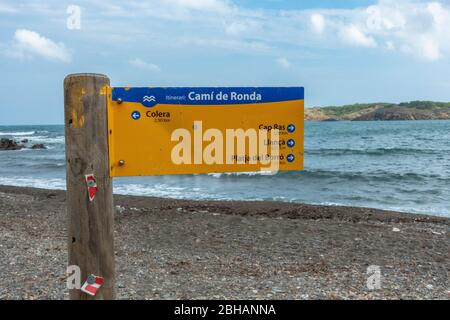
91, 223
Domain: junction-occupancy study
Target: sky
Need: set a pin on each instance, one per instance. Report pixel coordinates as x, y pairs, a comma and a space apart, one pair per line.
342, 52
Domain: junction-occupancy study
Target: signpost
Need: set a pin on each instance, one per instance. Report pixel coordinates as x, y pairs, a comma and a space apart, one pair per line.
113, 132
90, 226
155, 131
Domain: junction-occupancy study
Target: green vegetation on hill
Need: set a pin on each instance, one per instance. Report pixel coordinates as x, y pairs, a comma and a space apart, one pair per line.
334, 111
425, 105
414, 110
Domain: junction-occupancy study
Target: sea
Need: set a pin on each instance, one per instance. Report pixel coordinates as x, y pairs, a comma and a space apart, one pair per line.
394, 165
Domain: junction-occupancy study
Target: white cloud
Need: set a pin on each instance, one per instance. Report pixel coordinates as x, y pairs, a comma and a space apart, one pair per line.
7, 8
204, 5
251, 47
284, 63
414, 28
29, 43
418, 28
411, 27
352, 35
318, 22
138, 63
236, 28
167, 9
424, 47
390, 45
431, 49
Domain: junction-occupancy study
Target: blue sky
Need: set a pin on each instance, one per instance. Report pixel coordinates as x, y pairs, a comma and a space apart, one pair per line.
340, 51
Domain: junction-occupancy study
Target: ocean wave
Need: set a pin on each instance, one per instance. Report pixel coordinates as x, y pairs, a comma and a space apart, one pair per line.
366, 176
339, 176
19, 133
156, 190
244, 173
167, 191
44, 139
42, 183
47, 165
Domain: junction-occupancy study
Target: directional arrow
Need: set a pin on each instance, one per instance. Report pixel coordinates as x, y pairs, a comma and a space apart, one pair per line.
135, 115
291, 143
291, 128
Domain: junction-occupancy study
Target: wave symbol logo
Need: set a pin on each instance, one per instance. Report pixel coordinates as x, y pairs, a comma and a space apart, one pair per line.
149, 99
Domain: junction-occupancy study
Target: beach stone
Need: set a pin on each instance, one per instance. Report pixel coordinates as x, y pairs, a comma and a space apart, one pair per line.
120, 209
310, 255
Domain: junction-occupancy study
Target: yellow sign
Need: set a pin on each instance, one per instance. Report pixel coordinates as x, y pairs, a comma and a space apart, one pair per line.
156, 131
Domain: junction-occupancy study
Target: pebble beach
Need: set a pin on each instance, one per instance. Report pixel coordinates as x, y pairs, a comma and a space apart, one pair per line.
182, 249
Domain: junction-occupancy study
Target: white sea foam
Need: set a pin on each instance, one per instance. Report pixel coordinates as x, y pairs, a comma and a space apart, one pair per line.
55, 183
166, 191
157, 190
44, 139
20, 133
256, 173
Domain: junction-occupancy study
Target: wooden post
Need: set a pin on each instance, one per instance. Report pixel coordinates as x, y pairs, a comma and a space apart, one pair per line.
91, 223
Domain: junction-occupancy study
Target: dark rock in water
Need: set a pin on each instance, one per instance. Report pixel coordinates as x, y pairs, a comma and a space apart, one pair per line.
38, 146
9, 144
331, 119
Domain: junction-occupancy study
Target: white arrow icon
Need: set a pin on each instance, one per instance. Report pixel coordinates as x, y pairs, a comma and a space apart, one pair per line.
135, 115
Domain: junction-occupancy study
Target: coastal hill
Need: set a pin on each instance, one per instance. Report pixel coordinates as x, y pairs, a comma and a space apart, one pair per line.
414, 110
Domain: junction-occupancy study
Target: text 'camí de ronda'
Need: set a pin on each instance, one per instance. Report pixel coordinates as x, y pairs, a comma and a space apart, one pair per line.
221, 96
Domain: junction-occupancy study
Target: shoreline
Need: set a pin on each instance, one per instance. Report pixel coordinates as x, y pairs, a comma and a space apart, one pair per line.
274, 202
189, 249
276, 208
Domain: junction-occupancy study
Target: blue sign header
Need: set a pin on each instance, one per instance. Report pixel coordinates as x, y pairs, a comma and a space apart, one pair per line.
150, 97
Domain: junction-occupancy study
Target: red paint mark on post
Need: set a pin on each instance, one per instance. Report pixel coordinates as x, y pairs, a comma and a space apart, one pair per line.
92, 186
92, 285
